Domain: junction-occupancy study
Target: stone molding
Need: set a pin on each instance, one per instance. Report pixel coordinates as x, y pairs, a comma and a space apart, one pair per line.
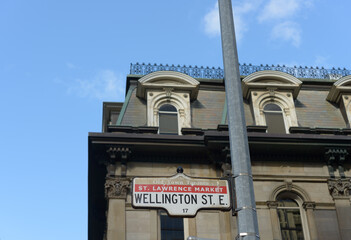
117, 188
339, 188
273, 80
289, 186
340, 88
309, 205
159, 80
272, 204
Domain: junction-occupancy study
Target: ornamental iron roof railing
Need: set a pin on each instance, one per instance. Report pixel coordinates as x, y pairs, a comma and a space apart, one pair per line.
245, 70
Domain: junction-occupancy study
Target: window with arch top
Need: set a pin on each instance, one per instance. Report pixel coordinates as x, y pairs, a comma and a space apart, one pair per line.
272, 96
291, 219
274, 118
168, 119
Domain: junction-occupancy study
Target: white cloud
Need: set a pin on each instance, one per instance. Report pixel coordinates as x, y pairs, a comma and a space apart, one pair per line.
278, 9
241, 9
282, 9
211, 21
105, 85
288, 31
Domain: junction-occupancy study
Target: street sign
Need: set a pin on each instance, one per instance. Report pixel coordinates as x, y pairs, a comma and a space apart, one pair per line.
181, 195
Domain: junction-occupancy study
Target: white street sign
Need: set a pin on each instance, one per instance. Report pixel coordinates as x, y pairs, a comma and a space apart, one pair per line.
181, 195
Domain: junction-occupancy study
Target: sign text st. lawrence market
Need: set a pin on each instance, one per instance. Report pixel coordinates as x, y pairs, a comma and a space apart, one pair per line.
181, 195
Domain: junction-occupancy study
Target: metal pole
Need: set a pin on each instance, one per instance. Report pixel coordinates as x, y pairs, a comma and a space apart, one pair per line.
239, 147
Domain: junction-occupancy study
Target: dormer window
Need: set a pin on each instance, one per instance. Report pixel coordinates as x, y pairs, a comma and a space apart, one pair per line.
168, 119
272, 95
340, 93
168, 95
274, 118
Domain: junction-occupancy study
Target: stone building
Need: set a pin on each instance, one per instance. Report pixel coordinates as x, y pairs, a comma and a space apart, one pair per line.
298, 123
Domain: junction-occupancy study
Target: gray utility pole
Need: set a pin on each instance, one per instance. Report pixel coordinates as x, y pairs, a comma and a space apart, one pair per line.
239, 147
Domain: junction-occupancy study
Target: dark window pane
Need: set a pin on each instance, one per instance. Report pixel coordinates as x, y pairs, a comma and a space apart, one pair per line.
168, 108
171, 228
287, 202
272, 107
290, 224
275, 122
168, 123
113, 117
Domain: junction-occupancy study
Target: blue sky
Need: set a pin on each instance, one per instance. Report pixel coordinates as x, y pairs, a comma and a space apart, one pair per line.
59, 60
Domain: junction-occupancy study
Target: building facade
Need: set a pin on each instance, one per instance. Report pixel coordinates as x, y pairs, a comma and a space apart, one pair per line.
298, 123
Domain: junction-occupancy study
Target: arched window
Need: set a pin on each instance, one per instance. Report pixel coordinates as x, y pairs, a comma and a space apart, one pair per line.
289, 213
168, 119
274, 118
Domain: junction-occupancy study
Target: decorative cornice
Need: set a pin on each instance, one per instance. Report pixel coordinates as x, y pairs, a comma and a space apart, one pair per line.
119, 153
339, 188
117, 188
335, 155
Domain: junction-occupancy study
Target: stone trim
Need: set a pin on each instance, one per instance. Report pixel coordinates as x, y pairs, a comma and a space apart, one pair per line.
271, 79
340, 88
288, 186
272, 204
309, 205
117, 188
179, 82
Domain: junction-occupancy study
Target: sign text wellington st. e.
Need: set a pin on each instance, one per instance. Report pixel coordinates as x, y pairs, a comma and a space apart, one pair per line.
181, 195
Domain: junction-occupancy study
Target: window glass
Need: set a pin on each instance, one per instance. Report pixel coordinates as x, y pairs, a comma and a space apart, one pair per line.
168, 119
168, 108
172, 228
290, 219
274, 118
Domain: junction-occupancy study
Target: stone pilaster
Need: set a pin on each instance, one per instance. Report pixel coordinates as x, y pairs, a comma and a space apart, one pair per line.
116, 190
340, 191
273, 205
309, 208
